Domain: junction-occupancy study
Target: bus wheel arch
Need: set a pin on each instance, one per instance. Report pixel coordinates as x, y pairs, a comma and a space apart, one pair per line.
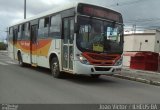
54, 66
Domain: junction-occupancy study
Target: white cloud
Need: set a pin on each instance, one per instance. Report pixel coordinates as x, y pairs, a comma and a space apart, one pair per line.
11, 11
55, 2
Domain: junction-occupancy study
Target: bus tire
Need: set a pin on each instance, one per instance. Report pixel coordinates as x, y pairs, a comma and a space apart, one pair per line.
95, 75
54, 66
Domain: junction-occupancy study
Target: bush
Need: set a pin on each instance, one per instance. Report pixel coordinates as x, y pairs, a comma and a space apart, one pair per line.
3, 46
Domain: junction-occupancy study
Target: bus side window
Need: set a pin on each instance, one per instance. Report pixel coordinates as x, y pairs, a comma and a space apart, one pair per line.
46, 22
46, 27
43, 28
27, 31
55, 28
71, 31
15, 35
10, 34
66, 31
21, 32
41, 23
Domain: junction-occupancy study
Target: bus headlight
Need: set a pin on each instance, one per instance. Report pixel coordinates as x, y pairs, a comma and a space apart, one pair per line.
119, 62
83, 60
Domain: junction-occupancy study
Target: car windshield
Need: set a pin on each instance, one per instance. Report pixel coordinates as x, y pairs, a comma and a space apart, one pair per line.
99, 36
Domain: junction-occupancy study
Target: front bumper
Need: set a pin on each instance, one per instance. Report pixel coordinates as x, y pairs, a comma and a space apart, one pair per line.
80, 68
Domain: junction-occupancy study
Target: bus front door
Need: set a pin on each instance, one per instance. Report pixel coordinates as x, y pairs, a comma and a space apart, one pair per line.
15, 37
33, 44
68, 37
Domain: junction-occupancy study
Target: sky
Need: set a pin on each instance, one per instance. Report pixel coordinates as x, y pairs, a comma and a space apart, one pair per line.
144, 14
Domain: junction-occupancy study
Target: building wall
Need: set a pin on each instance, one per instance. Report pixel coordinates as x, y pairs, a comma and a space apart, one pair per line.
157, 42
128, 43
144, 43
126, 61
139, 42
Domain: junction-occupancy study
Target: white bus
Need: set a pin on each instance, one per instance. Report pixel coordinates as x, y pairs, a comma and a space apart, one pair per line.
80, 39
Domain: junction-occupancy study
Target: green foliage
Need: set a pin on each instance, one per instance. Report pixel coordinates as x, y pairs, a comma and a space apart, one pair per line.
3, 46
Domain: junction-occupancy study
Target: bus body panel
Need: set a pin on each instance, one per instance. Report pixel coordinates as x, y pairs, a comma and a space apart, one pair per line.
55, 48
10, 50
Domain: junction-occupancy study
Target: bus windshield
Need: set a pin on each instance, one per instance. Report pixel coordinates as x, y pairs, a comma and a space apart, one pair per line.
99, 36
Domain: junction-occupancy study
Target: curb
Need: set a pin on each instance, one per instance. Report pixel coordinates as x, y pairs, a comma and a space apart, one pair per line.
4, 53
1, 51
156, 83
141, 71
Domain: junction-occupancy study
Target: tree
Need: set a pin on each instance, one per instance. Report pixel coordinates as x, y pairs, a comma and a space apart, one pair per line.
3, 46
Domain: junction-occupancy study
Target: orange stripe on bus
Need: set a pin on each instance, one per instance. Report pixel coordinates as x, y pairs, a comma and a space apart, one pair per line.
40, 49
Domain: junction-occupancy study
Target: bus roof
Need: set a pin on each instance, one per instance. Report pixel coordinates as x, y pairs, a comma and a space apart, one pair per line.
56, 10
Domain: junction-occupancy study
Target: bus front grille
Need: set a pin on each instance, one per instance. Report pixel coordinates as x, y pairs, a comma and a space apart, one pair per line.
102, 69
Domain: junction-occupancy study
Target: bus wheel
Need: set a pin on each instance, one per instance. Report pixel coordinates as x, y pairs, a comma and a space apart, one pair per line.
95, 75
55, 68
20, 60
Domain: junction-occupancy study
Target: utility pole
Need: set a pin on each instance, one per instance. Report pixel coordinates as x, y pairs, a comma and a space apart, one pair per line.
24, 9
7, 31
134, 29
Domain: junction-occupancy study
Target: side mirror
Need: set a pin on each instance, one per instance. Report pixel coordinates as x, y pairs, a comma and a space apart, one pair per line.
76, 28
